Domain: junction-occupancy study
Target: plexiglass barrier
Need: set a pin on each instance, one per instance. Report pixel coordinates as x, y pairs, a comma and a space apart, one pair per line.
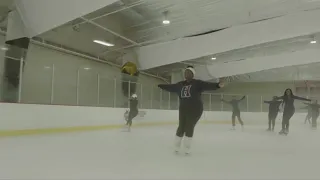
42, 83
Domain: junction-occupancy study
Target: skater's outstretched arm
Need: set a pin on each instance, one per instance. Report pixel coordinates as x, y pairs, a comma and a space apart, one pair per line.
267, 102
228, 102
301, 98
306, 107
278, 98
315, 105
242, 98
209, 86
170, 87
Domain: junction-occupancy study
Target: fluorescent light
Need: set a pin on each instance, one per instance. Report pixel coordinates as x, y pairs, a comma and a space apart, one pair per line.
313, 42
166, 21
213, 58
86, 68
47, 67
103, 43
4, 48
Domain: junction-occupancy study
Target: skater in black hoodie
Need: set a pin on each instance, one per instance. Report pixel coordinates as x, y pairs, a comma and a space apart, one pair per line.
235, 110
273, 112
309, 114
314, 113
288, 103
191, 106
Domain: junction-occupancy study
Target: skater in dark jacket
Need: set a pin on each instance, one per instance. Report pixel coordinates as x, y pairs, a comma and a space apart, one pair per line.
235, 110
273, 112
314, 113
133, 110
309, 114
191, 106
289, 109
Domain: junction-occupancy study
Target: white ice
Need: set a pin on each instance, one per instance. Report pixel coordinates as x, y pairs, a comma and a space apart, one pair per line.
147, 153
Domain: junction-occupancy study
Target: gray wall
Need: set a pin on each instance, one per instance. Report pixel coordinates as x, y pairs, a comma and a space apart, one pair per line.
258, 88
256, 93
38, 73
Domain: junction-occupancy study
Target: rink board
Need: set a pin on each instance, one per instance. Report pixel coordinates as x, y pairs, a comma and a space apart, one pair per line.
30, 119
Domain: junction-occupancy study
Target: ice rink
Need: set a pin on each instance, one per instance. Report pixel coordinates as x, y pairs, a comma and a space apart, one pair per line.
147, 153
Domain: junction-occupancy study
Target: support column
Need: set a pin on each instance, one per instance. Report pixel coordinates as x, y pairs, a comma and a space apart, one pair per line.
17, 42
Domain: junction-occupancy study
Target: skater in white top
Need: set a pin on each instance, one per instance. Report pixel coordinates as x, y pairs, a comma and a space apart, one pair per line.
133, 111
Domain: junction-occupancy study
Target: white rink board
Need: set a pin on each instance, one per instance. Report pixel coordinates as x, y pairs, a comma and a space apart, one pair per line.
31, 116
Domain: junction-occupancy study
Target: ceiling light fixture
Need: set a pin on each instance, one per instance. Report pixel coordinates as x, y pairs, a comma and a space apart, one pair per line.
313, 42
103, 43
213, 58
86, 68
166, 22
4, 48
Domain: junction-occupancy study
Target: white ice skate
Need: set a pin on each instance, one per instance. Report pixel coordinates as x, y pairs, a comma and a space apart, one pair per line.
126, 128
233, 128
177, 144
187, 145
283, 132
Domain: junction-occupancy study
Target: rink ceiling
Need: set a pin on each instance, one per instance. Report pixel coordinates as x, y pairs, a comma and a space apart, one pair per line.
141, 22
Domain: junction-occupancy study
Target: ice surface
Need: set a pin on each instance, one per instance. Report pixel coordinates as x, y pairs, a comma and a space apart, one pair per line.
147, 153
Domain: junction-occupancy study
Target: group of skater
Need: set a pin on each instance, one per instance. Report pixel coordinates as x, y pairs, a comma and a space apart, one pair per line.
191, 108
287, 101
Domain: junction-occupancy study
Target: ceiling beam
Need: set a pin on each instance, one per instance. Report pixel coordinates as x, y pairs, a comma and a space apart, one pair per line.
110, 31
40, 16
113, 12
264, 63
285, 27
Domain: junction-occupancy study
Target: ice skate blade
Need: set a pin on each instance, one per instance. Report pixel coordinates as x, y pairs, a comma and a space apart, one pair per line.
283, 134
126, 130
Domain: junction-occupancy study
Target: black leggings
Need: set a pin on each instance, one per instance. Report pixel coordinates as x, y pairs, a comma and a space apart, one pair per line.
287, 114
314, 119
272, 119
132, 114
187, 122
234, 115
308, 117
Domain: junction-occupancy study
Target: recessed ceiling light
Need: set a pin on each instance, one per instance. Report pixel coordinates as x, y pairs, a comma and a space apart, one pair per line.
47, 67
86, 68
166, 21
4, 48
313, 42
213, 58
103, 43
